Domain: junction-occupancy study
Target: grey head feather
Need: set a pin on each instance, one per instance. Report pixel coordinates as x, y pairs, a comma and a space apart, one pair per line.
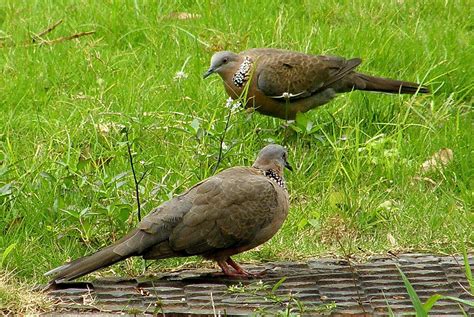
272, 155
221, 61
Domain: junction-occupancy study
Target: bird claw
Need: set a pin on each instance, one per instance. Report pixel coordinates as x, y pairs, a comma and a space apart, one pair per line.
237, 271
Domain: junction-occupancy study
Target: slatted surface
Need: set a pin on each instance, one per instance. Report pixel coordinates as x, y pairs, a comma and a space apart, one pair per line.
318, 287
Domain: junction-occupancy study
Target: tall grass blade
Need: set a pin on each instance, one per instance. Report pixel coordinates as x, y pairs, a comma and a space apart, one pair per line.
468, 270
419, 309
466, 302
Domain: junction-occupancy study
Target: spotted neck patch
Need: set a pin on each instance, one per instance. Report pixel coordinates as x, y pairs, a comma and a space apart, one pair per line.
243, 74
274, 176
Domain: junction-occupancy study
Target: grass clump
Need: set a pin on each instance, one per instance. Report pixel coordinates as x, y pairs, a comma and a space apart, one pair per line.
19, 298
423, 309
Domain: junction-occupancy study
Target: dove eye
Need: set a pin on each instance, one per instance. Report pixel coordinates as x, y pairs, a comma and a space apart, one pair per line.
224, 61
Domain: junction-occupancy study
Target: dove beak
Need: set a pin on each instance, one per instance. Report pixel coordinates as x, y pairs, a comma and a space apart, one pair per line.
288, 166
209, 72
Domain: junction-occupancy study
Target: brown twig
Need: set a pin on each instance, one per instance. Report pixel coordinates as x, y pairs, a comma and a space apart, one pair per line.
354, 274
48, 30
67, 38
39, 40
136, 182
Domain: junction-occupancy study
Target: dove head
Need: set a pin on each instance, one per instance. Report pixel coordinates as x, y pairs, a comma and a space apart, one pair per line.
222, 62
272, 157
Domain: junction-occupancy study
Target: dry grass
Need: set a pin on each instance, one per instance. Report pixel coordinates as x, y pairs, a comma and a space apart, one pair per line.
18, 298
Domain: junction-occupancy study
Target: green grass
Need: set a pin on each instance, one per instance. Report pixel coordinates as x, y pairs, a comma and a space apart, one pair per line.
66, 187
423, 309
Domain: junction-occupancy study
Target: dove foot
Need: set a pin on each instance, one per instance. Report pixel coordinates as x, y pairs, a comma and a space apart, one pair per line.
237, 271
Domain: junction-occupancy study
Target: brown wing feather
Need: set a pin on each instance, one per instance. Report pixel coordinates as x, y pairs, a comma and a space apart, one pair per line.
227, 216
299, 74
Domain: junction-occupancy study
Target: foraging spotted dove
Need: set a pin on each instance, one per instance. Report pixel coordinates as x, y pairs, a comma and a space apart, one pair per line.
226, 214
281, 83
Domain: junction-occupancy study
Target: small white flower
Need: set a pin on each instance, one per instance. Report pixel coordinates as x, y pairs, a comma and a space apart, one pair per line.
100, 82
232, 104
229, 102
103, 128
180, 75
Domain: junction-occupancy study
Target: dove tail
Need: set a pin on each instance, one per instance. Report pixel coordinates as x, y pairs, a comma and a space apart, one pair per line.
85, 265
371, 83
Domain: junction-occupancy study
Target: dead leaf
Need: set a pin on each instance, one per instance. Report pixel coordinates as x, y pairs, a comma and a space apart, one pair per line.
388, 205
105, 128
391, 239
142, 291
438, 160
183, 16
425, 179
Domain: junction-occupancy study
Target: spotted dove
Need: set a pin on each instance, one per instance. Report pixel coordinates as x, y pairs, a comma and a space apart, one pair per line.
281, 83
226, 214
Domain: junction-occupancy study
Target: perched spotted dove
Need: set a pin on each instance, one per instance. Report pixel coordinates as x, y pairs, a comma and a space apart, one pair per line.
281, 83
226, 214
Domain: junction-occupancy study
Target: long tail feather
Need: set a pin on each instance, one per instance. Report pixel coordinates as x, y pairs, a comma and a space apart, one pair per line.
85, 265
371, 83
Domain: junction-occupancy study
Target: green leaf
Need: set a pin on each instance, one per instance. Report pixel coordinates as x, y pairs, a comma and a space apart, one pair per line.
72, 213
82, 164
3, 15
123, 212
84, 212
278, 284
119, 177
68, 181
314, 223
336, 199
47, 176
303, 122
420, 311
296, 128
468, 270
122, 143
7, 251
4, 170
302, 223
431, 301
195, 124
309, 127
120, 184
6, 190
